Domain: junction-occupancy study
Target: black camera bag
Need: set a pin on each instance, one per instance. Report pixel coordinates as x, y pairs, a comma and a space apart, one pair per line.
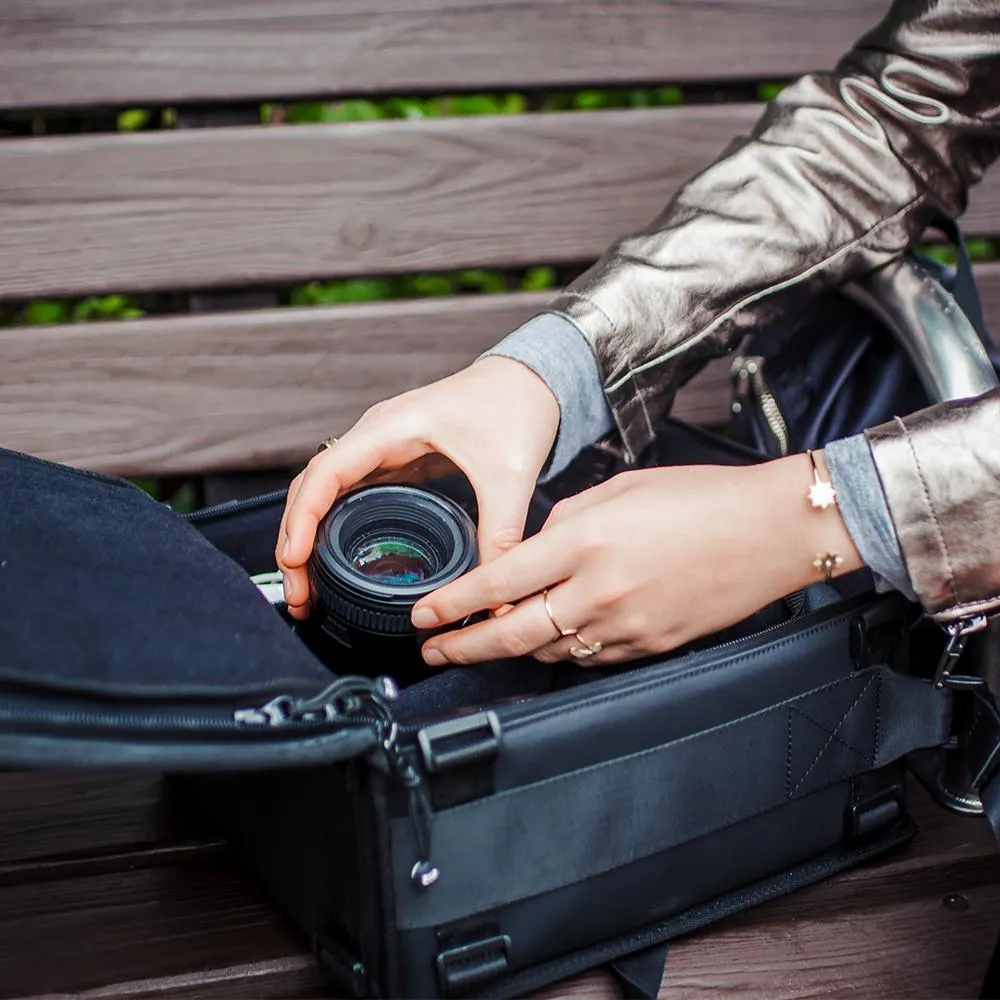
487, 830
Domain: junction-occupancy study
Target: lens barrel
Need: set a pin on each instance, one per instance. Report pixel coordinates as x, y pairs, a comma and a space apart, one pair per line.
378, 551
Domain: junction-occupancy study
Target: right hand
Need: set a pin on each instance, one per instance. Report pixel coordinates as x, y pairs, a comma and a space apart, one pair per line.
495, 420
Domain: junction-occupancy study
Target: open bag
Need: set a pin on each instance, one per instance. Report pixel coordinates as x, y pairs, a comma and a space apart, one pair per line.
485, 830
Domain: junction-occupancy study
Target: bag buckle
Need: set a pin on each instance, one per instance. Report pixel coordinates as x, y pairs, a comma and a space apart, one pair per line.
466, 966
460, 741
958, 637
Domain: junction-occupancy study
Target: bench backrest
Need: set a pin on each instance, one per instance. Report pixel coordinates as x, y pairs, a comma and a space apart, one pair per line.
213, 219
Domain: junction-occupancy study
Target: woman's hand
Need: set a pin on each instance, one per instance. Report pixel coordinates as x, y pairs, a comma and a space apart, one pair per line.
642, 564
495, 420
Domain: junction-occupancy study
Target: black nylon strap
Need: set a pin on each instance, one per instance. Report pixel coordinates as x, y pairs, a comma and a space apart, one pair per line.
516, 844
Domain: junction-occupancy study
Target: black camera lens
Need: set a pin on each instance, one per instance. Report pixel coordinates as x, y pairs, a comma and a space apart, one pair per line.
378, 551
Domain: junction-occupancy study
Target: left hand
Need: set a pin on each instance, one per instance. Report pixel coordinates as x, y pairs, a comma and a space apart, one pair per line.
642, 564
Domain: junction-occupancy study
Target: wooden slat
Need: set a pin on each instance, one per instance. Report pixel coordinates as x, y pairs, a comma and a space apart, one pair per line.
225, 391
246, 205
80, 52
282, 204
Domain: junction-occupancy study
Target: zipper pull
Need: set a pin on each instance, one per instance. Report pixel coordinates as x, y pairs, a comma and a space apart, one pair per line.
371, 700
747, 371
958, 638
345, 697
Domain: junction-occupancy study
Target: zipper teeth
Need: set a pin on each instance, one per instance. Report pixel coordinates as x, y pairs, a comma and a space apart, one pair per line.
235, 506
178, 723
748, 371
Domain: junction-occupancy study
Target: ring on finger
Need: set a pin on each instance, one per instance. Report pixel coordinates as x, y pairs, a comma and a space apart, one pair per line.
564, 632
585, 649
328, 443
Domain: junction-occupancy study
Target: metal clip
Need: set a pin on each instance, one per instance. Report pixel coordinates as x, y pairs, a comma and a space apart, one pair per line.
958, 637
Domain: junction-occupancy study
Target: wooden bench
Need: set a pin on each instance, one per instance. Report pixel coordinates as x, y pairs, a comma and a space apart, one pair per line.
104, 890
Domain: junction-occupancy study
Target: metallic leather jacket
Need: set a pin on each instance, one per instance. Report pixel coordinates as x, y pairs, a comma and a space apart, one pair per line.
842, 174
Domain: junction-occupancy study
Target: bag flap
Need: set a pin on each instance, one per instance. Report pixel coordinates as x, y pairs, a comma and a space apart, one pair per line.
123, 626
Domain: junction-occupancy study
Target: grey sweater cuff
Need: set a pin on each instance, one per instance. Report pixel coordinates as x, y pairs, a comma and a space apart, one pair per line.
557, 352
865, 512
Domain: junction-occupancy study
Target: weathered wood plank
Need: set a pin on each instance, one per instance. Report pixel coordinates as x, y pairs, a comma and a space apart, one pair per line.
61, 814
282, 204
246, 205
258, 389
94, 52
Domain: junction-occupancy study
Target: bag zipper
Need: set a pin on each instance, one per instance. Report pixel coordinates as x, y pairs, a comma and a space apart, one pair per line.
747, 373
235, 506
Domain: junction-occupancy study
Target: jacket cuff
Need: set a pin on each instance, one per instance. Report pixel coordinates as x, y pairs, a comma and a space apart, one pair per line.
863, 507
939, 469
553, 347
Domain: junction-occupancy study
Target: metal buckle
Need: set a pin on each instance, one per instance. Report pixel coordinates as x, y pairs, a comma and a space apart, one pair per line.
943, 771
958, 637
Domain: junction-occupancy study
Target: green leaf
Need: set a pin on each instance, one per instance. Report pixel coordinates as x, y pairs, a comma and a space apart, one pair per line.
472, 104
185, 499
980, 249
668, 96
365, 290
539, 279
306, 112
558, 102
513, 104
150, 486
769, 91
44, 313
132, 121
426, 285
640, 98
483, 281
591, 100
352, 111
168, 118
942, 254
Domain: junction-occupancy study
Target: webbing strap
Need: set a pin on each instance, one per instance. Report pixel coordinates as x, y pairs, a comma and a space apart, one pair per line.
530, 840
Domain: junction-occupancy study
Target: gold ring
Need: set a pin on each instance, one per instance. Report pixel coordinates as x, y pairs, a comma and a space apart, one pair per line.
328, 443
564, 632
587, 649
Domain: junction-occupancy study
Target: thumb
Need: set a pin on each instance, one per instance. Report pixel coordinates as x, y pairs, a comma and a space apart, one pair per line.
503, 511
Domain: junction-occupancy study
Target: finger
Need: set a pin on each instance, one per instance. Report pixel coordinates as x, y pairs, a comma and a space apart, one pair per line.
503, 509
279, 544
334, 470
517, 633
541, 561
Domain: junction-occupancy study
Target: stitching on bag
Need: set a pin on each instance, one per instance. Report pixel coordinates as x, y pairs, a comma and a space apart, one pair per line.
788, 757
930, 506
709, 668
833, 735
877, 742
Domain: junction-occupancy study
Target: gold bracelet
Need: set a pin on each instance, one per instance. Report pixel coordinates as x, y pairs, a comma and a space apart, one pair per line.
826, 563
821, 493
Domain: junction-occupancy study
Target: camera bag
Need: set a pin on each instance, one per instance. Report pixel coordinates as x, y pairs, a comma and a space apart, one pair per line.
486, 830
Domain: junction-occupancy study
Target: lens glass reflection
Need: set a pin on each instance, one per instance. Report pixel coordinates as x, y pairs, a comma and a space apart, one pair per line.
392, 560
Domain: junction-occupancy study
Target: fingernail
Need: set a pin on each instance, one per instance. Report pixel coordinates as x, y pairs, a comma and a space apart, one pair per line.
424, 618
434, 658
286, 586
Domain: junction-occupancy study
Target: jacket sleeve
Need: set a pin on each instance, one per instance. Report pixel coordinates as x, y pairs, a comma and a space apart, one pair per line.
842, 173
940, 472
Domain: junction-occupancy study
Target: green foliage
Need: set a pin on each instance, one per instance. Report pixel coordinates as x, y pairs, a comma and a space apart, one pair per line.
46, 312
979, 250
769, 91
538, 279
134, 120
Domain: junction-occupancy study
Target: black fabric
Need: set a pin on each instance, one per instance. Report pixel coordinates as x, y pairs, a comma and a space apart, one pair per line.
639, 975
104, 590
669, 794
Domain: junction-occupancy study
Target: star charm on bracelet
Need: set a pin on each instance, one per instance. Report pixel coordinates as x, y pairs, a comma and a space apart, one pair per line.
821, 493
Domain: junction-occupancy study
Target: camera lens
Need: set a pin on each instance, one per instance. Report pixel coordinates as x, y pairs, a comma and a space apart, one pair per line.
378, 551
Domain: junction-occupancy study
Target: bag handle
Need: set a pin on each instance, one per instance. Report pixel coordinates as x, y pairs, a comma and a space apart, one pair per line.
940, 339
